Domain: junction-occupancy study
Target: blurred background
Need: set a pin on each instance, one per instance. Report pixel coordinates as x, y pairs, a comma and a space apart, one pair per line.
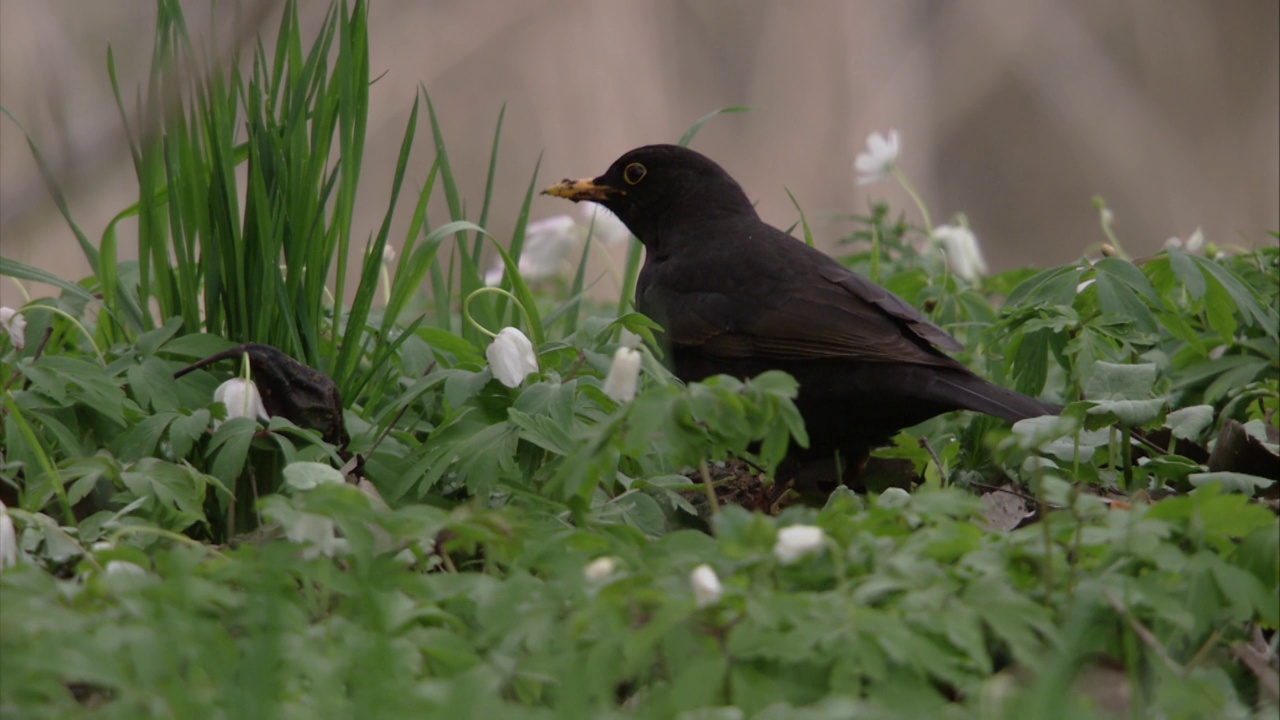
1016, 114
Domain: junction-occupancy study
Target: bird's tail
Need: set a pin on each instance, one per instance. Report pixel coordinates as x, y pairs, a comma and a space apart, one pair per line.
973, 393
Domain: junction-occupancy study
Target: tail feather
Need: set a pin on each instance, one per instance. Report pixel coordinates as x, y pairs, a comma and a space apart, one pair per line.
973, 393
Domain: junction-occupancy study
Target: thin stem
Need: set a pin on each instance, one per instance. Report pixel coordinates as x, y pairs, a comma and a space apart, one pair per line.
708, 488
466, 310
57, 311
911, 190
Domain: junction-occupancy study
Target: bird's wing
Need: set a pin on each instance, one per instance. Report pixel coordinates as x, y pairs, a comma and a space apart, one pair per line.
835, 314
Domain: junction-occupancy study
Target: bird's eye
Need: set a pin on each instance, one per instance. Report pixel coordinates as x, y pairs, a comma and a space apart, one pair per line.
634, 173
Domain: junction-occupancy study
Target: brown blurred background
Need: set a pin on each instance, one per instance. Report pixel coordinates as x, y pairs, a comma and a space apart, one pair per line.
1016, 113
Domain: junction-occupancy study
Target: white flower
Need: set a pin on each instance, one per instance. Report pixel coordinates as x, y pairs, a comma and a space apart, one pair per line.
124, 567
877, 162
629, 339
511, 357
547, 244
796, 541
706, 586
315, 531
1193, 243
388, 254
608, 228
600, 569
241, 398
8, 540
624, 372
960, 246
14, 324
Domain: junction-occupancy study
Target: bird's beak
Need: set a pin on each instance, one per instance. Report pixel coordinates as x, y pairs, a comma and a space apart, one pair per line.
584, 189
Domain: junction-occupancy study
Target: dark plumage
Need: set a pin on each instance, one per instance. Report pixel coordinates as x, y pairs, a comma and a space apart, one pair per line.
738, 296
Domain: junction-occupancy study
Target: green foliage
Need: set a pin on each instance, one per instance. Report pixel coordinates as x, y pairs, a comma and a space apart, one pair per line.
526, 552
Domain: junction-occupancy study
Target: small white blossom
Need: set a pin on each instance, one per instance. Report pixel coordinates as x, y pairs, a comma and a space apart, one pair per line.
600, 569
316, 532
547, 244
124, 567
511, 357
608, 228
8, 540
241, 398
960, 246
388, 254
706, 586
16, 325
797, 541
878, 161
1193, 243
624, 372
629, 339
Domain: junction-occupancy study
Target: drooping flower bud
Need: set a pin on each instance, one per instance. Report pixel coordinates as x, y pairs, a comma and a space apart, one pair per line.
797, 541
511, 357
624, 373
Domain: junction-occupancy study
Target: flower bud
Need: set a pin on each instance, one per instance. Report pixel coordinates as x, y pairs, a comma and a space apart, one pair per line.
797, 541
600, 569
624, 372
241, 398
15, 324
8, 540
963, 254
511, 357
706, 586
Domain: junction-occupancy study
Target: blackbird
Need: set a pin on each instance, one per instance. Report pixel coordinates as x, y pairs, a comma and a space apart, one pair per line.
738, 296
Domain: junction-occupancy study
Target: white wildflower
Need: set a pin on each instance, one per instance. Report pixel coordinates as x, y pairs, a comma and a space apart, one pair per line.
797, 541
316, 532
878, 161
8, 540
706, 586
1194, 242
546, 249
124, 567
388, 254
547, 244
600, 569
607, 227
241, 398
493, 275
624, 372
629, 339
960, 246
511, 357
15, 324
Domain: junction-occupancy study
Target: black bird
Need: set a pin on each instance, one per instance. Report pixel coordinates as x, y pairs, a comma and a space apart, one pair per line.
738, 296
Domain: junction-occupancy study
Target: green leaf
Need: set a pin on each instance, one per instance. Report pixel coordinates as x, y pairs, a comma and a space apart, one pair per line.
697, 125
307, 475
1189, 423
1110, 381
1233, 482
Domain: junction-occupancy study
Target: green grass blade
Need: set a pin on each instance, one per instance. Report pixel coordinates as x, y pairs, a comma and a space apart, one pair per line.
693, 129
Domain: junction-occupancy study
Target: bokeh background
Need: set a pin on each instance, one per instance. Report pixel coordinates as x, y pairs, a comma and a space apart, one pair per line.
1016, 113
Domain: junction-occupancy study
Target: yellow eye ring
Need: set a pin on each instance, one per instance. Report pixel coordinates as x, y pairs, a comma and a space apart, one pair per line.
634, 173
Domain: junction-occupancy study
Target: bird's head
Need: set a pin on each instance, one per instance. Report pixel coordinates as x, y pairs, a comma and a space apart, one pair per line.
657, 187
